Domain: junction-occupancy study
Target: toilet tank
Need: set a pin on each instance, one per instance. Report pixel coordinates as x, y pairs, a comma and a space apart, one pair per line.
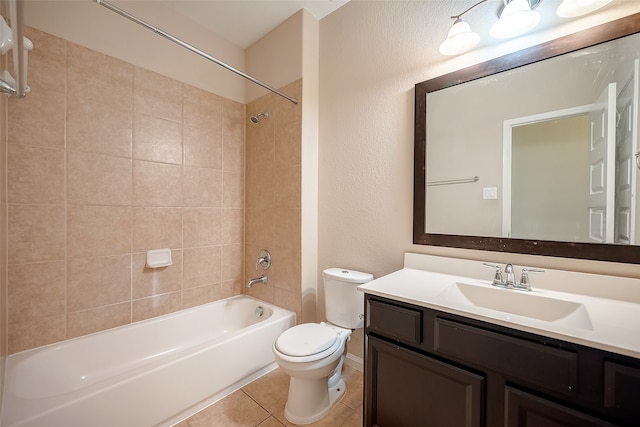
344, 304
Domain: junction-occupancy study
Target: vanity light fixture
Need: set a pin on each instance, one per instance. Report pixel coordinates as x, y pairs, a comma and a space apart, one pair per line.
573, 8
460, 38
515, 17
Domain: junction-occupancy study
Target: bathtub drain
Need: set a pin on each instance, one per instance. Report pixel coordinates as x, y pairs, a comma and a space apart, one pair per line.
259, 311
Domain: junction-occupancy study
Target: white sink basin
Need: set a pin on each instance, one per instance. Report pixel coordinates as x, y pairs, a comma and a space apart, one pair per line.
520, 303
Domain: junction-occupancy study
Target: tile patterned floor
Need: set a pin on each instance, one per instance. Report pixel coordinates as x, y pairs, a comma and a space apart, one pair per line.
261, 404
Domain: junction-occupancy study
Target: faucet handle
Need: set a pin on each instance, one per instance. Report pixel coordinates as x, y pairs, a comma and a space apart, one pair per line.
264, 260
497, 277
525, 283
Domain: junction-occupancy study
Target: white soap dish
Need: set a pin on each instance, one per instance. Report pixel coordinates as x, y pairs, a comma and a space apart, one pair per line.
157, 258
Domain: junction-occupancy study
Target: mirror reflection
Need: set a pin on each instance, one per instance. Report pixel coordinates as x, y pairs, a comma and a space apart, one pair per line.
542, 152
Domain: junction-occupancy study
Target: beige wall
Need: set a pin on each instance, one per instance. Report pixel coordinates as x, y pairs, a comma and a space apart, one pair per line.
90, 25
117, 161
371, 56
309, 177
276, 58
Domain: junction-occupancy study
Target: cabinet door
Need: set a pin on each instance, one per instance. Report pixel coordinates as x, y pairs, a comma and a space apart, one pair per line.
527, 410
407, 389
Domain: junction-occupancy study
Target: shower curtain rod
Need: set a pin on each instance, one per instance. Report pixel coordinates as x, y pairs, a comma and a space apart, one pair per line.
192, 49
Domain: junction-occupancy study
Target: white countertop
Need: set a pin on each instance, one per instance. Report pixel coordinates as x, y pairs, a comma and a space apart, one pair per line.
613, 324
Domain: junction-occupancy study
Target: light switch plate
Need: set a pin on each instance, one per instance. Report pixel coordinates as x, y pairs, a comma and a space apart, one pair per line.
490, 193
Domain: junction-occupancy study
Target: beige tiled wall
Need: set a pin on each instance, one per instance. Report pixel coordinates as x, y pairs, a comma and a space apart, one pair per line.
106, 161
273, 202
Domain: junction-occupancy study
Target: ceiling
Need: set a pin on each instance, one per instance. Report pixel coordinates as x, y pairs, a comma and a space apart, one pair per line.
243, 22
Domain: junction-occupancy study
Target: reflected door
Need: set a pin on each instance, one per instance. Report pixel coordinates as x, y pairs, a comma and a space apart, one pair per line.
626, 128
602, 167
545, 159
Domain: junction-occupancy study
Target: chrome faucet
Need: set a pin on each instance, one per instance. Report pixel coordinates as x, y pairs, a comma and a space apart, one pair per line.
509, 281
261, 279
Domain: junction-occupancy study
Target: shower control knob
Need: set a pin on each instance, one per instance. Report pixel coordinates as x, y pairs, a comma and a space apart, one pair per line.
264, 260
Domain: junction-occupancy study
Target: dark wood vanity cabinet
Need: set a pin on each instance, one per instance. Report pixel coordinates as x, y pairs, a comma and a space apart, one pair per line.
426, 368
439, 392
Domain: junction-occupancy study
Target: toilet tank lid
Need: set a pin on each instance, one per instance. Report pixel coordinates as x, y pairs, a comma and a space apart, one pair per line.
346, 275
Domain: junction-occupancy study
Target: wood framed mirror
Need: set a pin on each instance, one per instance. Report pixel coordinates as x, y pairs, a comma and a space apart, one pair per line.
505, 241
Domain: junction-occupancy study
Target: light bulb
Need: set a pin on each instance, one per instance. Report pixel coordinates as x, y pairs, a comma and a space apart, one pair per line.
517, 18
460, 39
573, 8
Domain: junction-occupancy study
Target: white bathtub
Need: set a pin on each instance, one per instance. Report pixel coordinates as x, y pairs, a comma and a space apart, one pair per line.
150, 373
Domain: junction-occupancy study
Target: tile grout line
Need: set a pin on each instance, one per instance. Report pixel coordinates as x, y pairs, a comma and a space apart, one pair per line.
269, 414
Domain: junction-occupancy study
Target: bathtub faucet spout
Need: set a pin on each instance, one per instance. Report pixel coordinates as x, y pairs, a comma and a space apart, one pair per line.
252, 282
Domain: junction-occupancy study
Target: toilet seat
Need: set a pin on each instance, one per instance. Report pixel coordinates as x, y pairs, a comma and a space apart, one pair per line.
308, 341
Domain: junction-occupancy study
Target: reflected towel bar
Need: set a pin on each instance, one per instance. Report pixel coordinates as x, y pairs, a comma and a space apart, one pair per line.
453, 181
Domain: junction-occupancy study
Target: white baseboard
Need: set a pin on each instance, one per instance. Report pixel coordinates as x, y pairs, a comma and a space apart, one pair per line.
354, 362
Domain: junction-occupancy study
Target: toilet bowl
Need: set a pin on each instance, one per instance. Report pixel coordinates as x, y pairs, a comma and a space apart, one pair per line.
312, 354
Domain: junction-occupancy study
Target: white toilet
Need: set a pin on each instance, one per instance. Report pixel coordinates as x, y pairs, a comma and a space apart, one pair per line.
313, 353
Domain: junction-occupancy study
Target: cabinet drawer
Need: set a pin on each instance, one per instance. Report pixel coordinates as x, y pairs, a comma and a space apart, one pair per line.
398, 323
546, 367
524, 409
622, 387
